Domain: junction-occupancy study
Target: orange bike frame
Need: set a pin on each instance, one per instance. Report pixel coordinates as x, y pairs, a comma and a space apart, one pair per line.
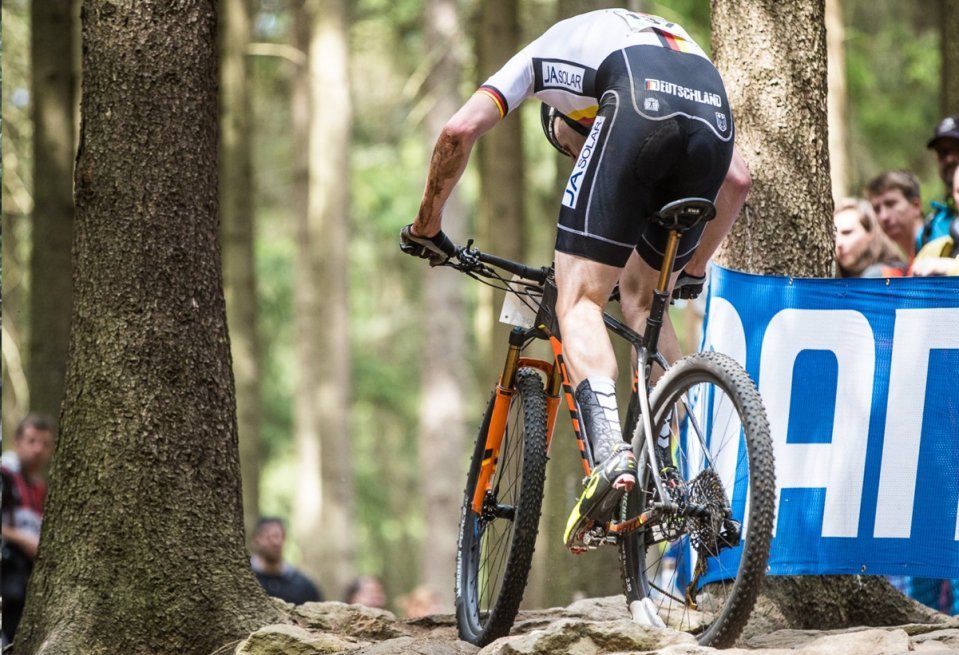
557, 378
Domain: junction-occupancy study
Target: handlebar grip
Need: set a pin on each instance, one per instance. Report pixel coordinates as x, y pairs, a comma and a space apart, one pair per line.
527, 272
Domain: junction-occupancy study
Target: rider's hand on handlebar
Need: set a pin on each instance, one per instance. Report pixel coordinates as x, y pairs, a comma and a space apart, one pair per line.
437, 248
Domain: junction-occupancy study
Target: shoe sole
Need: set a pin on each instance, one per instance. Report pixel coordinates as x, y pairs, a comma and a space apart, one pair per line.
622, 484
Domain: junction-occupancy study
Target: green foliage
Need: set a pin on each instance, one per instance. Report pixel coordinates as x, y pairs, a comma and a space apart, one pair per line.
693, 15
892, 66
17, 121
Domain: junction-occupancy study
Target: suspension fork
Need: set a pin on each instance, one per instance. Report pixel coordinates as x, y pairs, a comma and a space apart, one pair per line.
499, 416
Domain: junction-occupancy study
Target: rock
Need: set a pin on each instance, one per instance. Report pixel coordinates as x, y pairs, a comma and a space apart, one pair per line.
948, 638
599, 626
285, 639
947, 623
610, 608
366, 623
413, 646
578, 637
691, 649
861, 642
802, 641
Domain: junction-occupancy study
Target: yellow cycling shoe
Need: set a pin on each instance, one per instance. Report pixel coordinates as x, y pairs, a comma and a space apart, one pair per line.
605, 488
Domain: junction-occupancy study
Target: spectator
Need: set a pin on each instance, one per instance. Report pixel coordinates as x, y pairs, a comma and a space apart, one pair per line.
941, 256
945, 141
896, 200
421, 601
366, 590
278, 577
24, 492
862, 248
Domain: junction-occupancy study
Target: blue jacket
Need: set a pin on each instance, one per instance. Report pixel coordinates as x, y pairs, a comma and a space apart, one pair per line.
937, 223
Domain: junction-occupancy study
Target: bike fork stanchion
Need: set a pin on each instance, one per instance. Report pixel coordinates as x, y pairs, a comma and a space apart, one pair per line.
497, 425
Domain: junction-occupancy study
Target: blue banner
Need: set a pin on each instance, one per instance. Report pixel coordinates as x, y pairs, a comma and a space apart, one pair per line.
860, 379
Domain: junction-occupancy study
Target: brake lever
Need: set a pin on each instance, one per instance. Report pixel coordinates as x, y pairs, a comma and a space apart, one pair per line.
468, 257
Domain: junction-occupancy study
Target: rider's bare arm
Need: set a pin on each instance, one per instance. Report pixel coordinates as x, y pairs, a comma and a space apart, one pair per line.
450, 155
729, 202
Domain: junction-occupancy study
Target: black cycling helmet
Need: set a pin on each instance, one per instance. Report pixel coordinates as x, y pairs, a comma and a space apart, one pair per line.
547, 115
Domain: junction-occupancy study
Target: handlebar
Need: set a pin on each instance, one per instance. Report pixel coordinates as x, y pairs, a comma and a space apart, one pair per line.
471, 260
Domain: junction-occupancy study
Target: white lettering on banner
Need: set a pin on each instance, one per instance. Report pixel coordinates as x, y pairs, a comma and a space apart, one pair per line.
838, 466
917, 331
574, 184
565, 76
725, 334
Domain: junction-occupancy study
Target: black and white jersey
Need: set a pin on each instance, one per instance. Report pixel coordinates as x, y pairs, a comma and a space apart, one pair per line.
560, 67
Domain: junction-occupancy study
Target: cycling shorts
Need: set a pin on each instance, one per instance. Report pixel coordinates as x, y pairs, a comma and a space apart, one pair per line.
663, 132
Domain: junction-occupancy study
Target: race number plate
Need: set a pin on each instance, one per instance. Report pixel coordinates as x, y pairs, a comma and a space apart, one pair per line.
516, 312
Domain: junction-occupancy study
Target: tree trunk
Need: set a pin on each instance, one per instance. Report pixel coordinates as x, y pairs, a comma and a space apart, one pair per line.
772, 56
836, 99
51, 281
445, 372
323, 511
237, 234
142, 547
500, 210
950, 56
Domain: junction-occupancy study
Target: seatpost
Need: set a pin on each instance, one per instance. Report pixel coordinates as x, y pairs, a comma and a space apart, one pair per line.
660, 298
672, 243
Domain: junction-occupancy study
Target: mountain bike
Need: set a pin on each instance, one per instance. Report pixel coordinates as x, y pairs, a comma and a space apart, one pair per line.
693, 533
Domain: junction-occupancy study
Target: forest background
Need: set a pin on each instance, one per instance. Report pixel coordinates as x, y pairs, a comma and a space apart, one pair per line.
401, 391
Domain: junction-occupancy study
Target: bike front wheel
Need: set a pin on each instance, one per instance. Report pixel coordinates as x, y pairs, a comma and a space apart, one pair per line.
496, 545
702, 555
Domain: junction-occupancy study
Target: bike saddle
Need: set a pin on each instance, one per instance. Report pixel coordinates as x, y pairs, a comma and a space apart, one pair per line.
683, 214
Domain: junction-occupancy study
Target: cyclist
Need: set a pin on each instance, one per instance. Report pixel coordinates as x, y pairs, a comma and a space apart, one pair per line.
644, 112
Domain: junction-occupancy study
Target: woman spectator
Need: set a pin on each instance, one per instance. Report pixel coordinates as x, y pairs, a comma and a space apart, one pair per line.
862, 249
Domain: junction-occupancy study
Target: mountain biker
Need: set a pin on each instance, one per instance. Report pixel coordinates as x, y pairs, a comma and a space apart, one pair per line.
644, 112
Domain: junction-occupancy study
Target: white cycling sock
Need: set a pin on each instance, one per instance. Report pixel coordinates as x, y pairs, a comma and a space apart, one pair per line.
605, 390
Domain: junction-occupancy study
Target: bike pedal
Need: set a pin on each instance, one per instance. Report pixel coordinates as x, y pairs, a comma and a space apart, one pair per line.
590, 537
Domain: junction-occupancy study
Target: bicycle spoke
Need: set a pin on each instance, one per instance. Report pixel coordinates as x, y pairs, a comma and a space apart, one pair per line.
691, 561
500, 517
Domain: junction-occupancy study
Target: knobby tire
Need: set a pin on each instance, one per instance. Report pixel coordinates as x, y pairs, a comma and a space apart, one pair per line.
487, 596
731, 395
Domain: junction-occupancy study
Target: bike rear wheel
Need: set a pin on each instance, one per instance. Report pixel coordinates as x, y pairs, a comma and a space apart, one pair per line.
703, 566
496, 545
